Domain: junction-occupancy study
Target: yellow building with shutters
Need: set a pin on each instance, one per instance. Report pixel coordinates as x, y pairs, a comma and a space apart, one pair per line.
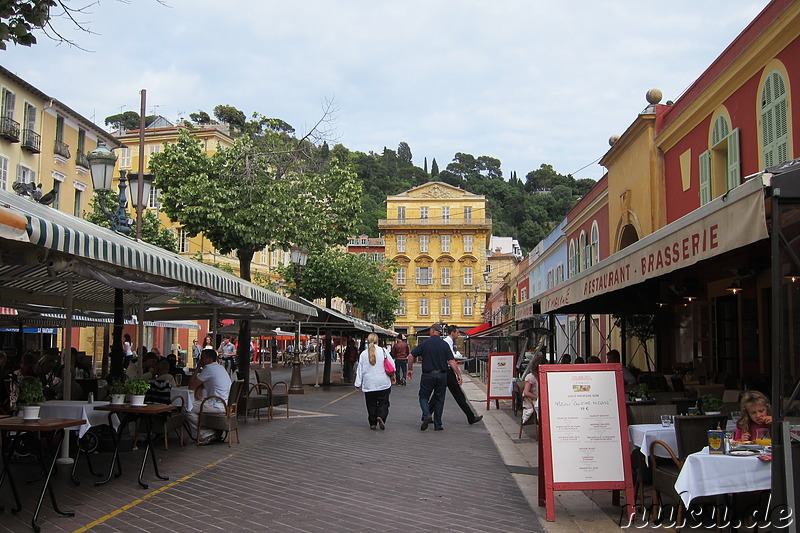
437, 235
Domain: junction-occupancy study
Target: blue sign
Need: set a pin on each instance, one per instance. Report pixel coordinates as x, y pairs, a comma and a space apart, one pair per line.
46, 331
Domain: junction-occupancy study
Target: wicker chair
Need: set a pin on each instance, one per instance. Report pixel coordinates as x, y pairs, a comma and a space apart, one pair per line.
665, 474
258, 398
649, 414
163, 425
226, 421
690, 431
278, 391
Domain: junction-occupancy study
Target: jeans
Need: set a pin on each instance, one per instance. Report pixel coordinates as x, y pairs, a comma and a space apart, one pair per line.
401, 370
432, 388
377, 405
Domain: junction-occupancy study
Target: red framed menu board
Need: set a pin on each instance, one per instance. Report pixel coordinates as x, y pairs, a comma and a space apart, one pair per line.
583, 419
500, 374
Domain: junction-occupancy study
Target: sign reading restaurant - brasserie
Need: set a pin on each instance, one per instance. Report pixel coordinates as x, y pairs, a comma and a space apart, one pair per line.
731, 225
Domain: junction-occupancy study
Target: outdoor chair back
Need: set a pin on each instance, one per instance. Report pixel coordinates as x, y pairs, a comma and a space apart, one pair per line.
690, 432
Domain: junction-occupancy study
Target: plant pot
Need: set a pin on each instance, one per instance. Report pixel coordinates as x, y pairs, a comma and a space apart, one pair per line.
117, 399
30, 412
137, 399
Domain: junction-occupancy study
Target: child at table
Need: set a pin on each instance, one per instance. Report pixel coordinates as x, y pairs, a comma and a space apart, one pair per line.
756, 414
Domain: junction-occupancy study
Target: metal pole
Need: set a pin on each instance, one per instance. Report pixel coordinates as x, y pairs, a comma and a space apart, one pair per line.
66, 376
140, 184
296, 385
316, 362
778, 474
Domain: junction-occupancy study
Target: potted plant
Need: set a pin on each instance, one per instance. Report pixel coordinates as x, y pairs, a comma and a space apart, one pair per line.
712, 405
117, 391
137, 388
31, 396
640, 392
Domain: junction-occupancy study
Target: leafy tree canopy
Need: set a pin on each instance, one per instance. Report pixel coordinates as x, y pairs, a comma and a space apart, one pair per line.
128, 120
152, 230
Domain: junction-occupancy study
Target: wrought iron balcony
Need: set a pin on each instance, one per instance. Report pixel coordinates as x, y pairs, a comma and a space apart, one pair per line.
31, 141
81, 160
9, 129
435, 222
62, 149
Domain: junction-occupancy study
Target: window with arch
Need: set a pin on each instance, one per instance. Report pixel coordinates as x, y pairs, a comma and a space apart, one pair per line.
584, 252
774, 120
720, 165
573, 259
595, 244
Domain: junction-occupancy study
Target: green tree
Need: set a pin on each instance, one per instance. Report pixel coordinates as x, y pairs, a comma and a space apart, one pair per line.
152, 230
129, 120
269, 189
201, 117
434, 168
404, 154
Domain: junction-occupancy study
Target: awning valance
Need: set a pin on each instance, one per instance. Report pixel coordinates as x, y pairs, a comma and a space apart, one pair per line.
731, 221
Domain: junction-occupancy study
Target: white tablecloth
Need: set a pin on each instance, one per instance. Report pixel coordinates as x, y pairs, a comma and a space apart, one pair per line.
641, 435
186, 394
75, 409
704, 474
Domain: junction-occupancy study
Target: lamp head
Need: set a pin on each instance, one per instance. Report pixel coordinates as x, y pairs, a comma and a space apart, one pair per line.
101, 166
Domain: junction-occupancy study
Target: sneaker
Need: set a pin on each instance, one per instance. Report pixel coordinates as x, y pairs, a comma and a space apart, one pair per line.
205, 441
425, 423
476, 419
381, 423
440, 428
373, 427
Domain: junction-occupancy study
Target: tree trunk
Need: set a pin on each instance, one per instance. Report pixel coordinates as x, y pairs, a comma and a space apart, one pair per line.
326, 369
243, 352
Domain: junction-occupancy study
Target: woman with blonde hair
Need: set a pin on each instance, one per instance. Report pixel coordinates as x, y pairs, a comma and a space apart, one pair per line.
371, 377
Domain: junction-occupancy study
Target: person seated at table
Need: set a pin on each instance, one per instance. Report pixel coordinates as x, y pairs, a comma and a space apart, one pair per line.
27, 365
565, 359
161, 384
80, 370
5, 404
143, 368
627, 376
756, 414
592, 359
579, 360
210, 379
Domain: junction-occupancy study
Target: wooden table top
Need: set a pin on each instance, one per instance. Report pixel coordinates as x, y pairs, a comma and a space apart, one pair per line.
16, 423
147, 409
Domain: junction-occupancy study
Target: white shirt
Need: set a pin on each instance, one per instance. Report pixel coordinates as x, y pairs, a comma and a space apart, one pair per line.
373, 378
216, 382
449, 340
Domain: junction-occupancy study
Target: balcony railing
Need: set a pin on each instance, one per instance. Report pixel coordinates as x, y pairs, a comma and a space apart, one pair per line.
81, 160
433, 222
9, 129
62, 149
31, 141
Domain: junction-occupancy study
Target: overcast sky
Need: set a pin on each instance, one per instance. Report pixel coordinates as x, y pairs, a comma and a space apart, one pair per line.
525, 81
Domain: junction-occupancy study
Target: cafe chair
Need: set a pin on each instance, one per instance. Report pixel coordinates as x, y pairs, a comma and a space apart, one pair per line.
665, 473
226, 421
691, 432
258, 398
649, 414
163, 425
278, 391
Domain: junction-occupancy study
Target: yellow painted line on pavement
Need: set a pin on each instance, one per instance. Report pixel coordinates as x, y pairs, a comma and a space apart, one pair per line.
134, 503
339, 398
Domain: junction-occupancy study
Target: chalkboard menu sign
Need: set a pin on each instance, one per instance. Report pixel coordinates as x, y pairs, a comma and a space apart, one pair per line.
583, 419
500, 375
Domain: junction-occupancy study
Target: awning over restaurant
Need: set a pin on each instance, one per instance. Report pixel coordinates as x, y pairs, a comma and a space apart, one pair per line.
58, 248
526, 309
729, 222
478, 329
502, 329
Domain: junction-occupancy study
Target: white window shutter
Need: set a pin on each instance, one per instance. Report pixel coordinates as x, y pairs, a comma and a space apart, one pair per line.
705, 177
734, 162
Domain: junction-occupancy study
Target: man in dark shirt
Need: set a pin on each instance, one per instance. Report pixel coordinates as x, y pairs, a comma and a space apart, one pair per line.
400, 356
436, 357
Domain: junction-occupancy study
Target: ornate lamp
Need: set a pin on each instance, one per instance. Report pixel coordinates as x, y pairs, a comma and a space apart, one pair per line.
299, 257
101, 166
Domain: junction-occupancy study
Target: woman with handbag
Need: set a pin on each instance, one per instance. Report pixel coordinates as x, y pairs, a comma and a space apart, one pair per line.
374, 377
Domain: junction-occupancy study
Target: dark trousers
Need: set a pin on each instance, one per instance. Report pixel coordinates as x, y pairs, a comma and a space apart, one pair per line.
377, 405
432, 390
401, 370
458, 395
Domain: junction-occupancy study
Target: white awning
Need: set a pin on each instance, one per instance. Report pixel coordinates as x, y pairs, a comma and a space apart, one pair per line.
731, 221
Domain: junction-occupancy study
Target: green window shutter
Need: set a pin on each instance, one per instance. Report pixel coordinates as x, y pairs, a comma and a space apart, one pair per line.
705, 177
734, 163
720, 130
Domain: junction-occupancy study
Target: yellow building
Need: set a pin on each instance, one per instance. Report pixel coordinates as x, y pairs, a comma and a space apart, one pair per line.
437, 235
42, 141
212, 138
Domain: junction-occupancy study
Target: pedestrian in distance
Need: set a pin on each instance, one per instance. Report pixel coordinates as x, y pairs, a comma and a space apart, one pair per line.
374, 381
400, 353
453, 384
436, 356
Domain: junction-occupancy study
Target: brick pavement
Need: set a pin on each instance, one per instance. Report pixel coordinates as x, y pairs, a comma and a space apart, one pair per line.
323, 469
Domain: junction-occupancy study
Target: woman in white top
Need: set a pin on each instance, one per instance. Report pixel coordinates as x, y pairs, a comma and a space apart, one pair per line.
373, 380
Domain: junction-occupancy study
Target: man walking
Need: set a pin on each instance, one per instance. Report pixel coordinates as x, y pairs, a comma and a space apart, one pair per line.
400, 356
453, 383
436, 356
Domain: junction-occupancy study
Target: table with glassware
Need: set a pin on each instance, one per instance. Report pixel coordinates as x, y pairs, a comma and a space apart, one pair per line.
705, 474
641, 435
15, 433
187, 396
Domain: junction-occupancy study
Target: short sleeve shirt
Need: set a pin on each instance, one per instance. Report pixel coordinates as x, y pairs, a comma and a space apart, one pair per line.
216, 381
435, 354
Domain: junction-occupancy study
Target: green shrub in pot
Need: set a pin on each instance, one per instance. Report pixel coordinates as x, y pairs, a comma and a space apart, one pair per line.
137, 387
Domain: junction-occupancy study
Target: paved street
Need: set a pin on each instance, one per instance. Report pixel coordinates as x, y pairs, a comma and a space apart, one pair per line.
323, 469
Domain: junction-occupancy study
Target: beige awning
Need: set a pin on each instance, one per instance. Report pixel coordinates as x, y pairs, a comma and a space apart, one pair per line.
731, 221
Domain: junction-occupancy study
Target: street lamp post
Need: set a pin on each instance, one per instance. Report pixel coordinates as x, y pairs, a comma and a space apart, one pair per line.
299, 258
101, 164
